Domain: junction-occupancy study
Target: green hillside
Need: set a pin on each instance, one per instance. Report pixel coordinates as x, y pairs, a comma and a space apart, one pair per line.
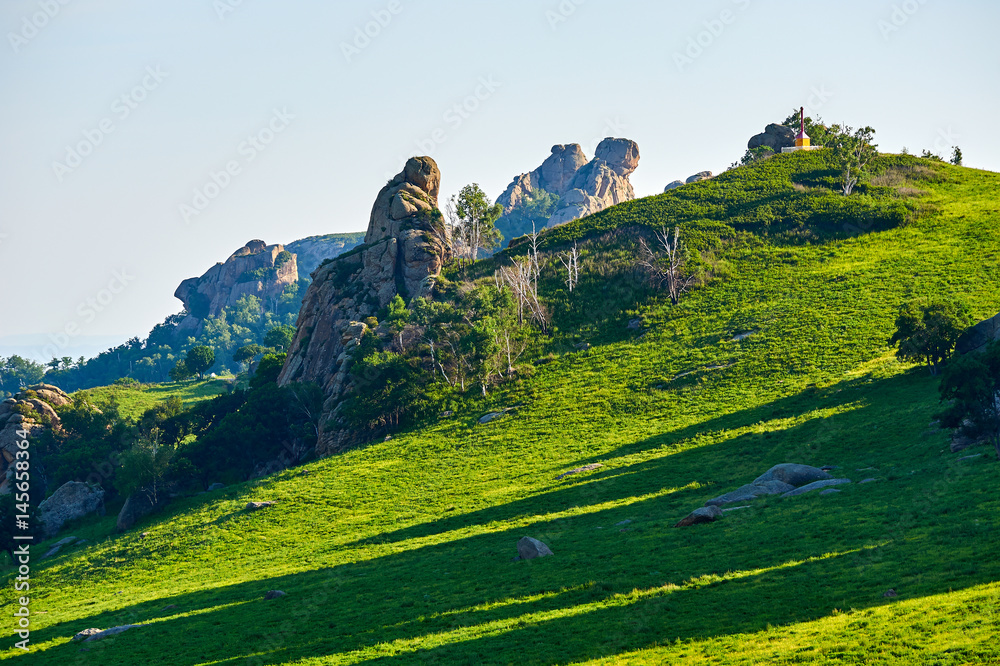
400, 551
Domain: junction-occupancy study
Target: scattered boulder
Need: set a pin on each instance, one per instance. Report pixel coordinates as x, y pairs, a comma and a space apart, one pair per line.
529, 549
751, 491
815, 485
774, 137
705, 514
793, 474
216, 486
67, 541
51, 552
86, 633
275, 594
255, 506
960, 442
622, 523
634, 324
673, 185
489, 418
868, 480
70, 501
701, 175
972, 457
579, 470
114, 631
890, 594
829, 491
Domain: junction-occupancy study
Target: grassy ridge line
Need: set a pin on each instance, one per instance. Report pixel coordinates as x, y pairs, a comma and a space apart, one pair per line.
135, 401
420, 528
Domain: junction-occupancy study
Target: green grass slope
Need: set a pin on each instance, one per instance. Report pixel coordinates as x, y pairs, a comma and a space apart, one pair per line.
135, 400
400, 552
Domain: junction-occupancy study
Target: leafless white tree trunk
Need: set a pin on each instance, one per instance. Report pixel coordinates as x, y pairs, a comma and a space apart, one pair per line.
668, 270
572, 265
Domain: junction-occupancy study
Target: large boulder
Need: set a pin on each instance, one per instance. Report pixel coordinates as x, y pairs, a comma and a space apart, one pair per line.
405, 246
774, 137
752, 491
70, 501
701, 175
673, 185
138, 505
529, 548
27, 415
792, 474
815, 485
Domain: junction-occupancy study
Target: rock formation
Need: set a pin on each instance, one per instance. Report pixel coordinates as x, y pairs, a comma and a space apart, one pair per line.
976, 338
72, 500
774, 137
28, 413
583, 187
313, 251
405, 247
673, 185
256, 269
701, 175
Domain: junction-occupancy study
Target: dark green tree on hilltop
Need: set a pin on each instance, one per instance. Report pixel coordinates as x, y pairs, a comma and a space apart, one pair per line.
927, 330
199, 359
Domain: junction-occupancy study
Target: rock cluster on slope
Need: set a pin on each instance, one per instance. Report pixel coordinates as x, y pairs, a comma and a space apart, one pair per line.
27, 413
583, 187
256, 269
979, 336
701, 175
405, 247
70, 501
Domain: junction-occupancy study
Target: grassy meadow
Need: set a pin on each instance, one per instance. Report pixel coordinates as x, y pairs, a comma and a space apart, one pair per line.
400, 551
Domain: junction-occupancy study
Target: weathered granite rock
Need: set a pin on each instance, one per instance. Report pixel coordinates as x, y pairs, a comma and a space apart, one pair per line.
815, 485
27, 415
774, 137
256, 269
976, 338
829, 491
580, 470
489, 418
752, 491
673, 185
254, 506
70, 501
275, 594
529, 549
701, 175
137, 506
793, 474
584, 187
704, 514
113, 631
405, 247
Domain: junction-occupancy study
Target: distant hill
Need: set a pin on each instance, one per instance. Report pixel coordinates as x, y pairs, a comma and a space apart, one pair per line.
312, 251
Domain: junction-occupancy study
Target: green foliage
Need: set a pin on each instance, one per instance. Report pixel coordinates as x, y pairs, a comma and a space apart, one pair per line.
17, 372
199, 359
532, 212
753, 155
180, 371
283, 258
475, 220
247, 353
143, 468
956, 156
280, 337
268, 370
819, 133
853, 150
971, 387
927, 330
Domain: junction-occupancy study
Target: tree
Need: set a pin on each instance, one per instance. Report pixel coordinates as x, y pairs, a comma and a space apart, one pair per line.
572, 264
853, 150
819, 133
398, 318
956, 156
144, 467
180, 372
199, 359
927, 330
671, 269
522, 278
247, 353
971, 386
474, 218
280, 337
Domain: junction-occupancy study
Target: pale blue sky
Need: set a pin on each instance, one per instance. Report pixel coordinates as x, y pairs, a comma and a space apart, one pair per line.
198, 80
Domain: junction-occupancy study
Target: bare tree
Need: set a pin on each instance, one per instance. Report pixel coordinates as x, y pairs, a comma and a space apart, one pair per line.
668, 270
572, 264
522, 278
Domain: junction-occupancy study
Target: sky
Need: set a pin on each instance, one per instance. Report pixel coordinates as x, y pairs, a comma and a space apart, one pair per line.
141, 143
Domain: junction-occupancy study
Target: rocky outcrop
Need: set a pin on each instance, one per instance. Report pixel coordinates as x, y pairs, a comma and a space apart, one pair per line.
529, 548
601, 183
137, 506
583, 187
313, 251
701, 175
774, 137
405, 247
979, 336
705, 514
256, 269
673, 185
26, 416
70, 501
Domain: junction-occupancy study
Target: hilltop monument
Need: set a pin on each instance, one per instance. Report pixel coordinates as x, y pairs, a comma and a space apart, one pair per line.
802, 140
